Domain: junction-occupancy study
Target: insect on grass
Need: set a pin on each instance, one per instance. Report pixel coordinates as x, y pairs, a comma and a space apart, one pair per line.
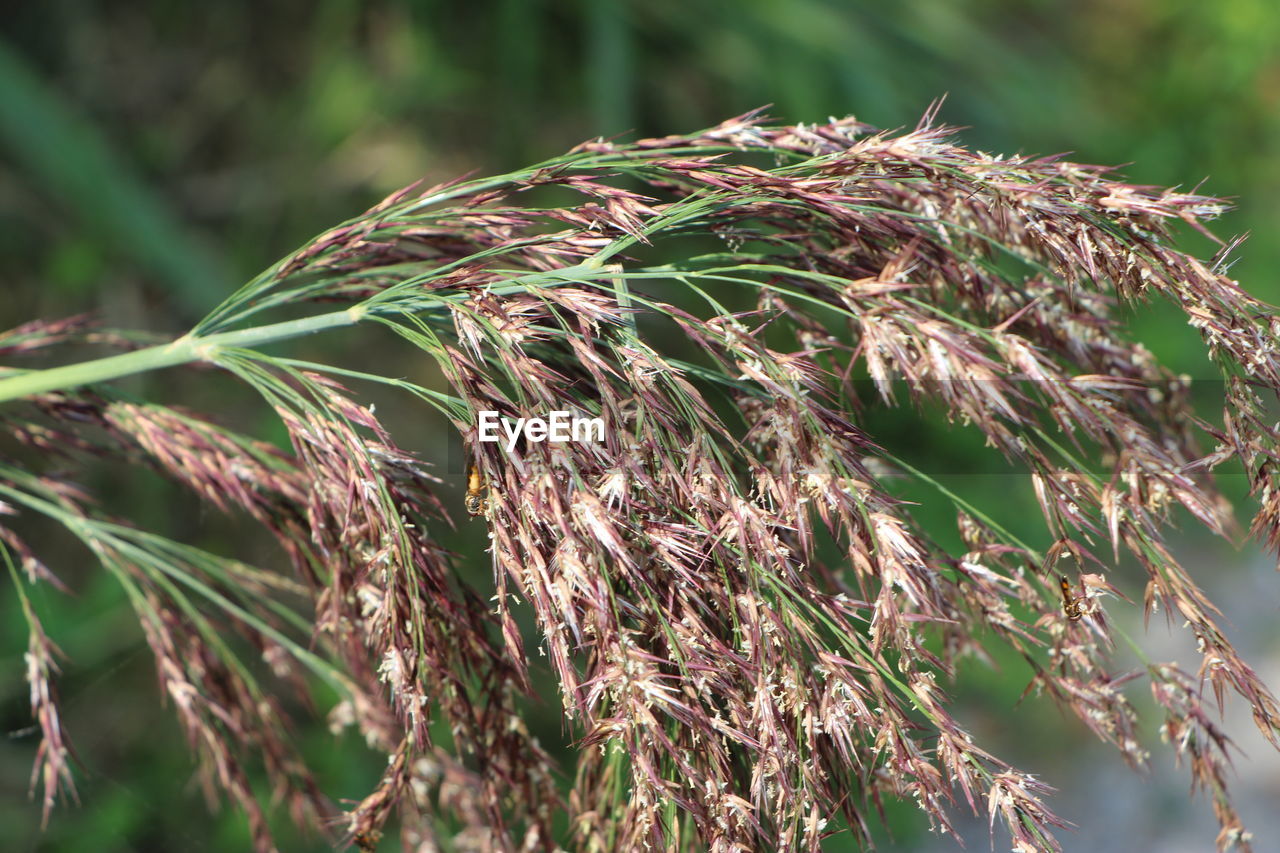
1070, 601
476, 501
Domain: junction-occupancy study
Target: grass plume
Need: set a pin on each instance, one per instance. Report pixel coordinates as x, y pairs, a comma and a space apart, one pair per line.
751, 638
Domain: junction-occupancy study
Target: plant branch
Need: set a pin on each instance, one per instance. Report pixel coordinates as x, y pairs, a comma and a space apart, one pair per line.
181, 351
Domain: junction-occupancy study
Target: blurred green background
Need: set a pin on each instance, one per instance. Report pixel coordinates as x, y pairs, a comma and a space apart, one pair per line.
154, 155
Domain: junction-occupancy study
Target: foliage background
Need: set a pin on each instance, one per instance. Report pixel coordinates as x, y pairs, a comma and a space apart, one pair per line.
154, 155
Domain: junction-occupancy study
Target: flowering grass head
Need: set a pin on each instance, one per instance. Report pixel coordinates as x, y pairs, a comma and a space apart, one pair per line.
751, 637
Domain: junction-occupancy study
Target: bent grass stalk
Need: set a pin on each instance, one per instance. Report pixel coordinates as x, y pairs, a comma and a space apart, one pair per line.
747, 632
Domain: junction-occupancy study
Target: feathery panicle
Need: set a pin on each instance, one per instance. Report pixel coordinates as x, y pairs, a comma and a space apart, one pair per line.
751, 636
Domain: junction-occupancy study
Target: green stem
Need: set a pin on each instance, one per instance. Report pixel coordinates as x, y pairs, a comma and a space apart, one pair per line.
181, 351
